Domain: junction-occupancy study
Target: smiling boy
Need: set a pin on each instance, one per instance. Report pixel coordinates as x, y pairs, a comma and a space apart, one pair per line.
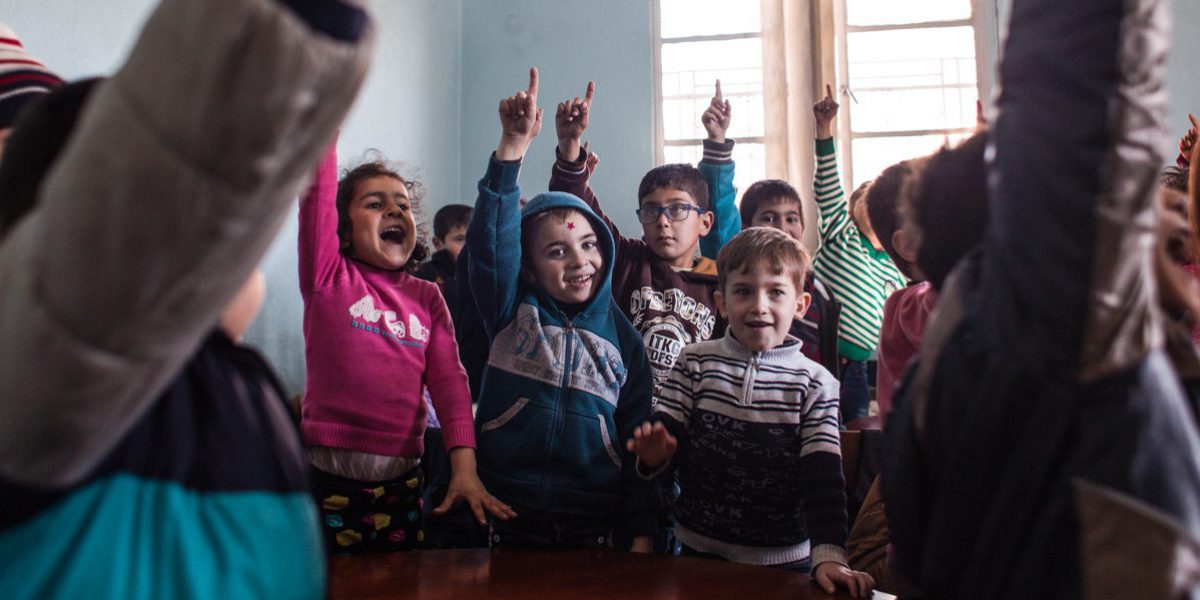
659, 281
756, 424
566, 377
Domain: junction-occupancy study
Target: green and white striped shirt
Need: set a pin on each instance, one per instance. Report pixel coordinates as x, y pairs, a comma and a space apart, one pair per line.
860, 276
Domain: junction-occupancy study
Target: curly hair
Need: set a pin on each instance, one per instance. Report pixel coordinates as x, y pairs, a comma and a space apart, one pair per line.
377, 166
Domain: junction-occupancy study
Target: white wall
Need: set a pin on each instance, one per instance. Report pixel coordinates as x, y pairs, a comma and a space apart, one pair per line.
408, 109
570, 41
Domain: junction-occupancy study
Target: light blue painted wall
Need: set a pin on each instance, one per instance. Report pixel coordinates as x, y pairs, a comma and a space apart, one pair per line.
409, 110
570, 41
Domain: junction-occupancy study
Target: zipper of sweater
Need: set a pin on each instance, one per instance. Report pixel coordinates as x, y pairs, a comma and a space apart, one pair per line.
559, 412
748, 381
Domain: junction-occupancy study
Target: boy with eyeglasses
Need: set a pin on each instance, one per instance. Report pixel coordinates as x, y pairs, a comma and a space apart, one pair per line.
659, 281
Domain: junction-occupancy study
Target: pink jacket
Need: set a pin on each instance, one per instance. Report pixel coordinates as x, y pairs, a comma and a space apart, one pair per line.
373, 340
904, 316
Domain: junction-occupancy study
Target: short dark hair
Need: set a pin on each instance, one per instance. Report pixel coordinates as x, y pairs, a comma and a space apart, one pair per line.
947, 201
38, 137
763, 246
348, 185
1174, 178
450, 216
883, 203
771, 191
677, 176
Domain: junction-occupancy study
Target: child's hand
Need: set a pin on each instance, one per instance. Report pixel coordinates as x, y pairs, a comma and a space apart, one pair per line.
520, 120
465, 485
642, 544
829, 574
652, 444
825, 111
1189, 139
716, 117
593, 160
571, 120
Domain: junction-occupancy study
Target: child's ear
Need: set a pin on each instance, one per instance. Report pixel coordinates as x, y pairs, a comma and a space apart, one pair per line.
719, 297
905, 246
438, 245
706, 222
803, 299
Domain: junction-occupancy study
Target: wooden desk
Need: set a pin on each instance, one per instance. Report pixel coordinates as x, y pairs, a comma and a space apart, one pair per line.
576, 574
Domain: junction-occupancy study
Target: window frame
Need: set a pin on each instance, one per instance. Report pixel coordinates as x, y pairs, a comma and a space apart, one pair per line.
845, 134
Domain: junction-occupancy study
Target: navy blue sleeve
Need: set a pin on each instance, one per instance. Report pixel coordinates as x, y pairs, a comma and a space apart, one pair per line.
339, 20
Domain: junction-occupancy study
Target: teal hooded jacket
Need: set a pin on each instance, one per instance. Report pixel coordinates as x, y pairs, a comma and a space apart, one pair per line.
560, 395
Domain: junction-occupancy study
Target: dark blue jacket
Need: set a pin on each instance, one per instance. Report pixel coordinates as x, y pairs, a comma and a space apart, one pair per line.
560, 395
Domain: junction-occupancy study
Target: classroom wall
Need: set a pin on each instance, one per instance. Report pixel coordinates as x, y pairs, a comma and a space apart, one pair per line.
570, 41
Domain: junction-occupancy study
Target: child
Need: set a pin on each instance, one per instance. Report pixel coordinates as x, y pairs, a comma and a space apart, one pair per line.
659, 282
851, 261
759, 466
449, 236
1042, 446
566, 378
364, 411
767, 203
907, 310
143, 453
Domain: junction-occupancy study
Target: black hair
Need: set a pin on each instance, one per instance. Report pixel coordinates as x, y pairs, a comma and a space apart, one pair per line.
677, 176
883, 203
450, 216
768, 191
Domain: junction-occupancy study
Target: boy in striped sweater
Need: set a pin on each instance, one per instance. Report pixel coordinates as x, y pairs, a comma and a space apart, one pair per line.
852, 262
755, 423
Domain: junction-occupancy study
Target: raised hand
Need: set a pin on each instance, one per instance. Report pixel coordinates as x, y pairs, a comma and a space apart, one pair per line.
825, 111
1189, 139
652, 444
571, 120
716, 117
520, 120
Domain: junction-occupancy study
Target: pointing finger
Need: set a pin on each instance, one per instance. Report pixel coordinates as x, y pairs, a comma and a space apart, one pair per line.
591, 91
533, 81
718, 95
829, 91
1192, 118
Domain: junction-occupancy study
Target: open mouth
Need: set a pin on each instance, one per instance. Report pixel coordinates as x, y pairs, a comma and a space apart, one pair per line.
394, 235
758, 324
581, 281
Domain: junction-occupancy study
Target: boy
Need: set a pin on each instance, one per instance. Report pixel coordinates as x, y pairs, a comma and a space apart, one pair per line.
449, 236
566, 377
659, 282
1042, 446
851, 261
756, 422
767, 203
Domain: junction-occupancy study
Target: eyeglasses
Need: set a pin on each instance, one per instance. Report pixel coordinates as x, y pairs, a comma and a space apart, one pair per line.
675, 212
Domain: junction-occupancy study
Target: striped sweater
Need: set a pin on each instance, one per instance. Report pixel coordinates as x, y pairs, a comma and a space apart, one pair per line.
759, 461
860, 276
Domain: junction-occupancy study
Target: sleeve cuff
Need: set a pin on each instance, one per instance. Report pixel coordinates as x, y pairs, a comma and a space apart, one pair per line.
824, 553
572, 169
502, 175
646, 473
458, 435
716, 152
340, 20
825, 147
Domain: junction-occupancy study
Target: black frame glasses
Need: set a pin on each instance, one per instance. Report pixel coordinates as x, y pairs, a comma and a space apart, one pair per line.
675, 212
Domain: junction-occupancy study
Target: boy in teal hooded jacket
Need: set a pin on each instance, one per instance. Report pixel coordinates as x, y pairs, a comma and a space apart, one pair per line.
567, 378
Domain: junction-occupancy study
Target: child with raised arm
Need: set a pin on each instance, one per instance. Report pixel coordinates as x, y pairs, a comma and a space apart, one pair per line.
375, 338
659, 281
756, 427
766, 203
852, 262
567, 377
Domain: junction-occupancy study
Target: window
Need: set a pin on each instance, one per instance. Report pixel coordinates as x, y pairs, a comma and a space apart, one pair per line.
910, 78
700, 41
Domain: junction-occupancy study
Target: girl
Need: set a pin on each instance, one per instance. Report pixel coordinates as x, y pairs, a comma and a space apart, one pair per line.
375, 337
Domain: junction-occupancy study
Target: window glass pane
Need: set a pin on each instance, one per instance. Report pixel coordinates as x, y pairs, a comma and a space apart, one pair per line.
686, 18
880, 52
891, 12
873, 155
751, 160
689, 71
910, 110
